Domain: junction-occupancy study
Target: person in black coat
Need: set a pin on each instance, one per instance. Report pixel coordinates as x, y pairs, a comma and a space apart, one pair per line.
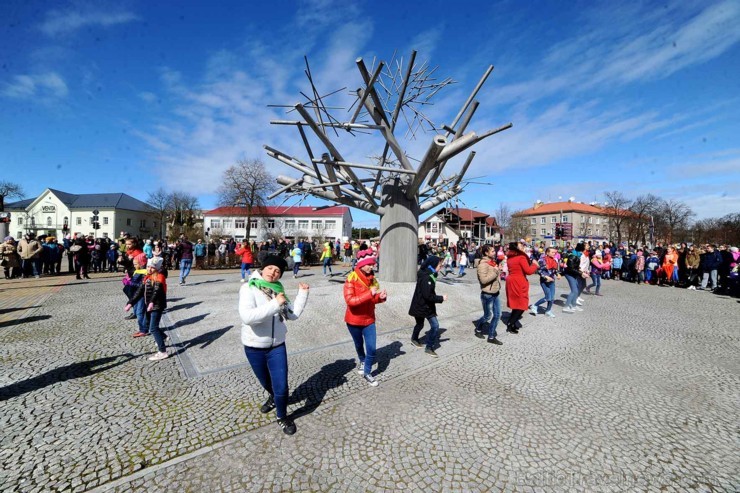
424, 301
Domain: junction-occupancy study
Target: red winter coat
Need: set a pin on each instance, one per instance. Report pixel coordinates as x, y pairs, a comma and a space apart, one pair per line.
246, 253
517, 286
360, 302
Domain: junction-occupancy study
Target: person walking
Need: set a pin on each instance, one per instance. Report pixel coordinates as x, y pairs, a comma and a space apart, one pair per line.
598, 266
572, 275
154, 292
297, 254
517, 286
361, 293
184, 251
490, 288
326, 258
548, 271
424, 303
462, 262
245, 251
9, 258
263, 309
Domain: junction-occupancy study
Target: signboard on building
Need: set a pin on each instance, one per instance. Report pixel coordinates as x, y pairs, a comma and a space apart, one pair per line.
48, 209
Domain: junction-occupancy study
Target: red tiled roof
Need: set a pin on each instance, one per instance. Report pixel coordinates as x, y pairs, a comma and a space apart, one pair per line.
466, 214
337, 210
491, 221
556, 207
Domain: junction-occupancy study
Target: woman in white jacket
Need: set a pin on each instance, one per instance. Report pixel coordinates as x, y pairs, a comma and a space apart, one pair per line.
263, 309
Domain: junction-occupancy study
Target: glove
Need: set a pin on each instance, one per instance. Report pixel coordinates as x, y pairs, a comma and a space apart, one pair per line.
150, 307
127, 307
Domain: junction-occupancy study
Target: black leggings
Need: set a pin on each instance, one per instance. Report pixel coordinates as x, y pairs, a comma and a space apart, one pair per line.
515, 316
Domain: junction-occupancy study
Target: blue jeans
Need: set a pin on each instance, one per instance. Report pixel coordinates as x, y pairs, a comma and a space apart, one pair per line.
548, 288
28, 265
296, 267
270, 366
433, 329
461, 271
366, 351
246, 269
152, 320
596, 279
327, 263
570, 302
491, 313
185, 265
140, 312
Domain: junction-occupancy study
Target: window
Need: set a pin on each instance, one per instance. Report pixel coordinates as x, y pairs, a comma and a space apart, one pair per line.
565, 219
215, 223
589, 231
240, 223
154, 224
597, 231
316, 225
583, 218
228, 223
544, 231
534, 232
270, 224
590, 220
289, 224
534, 220
543, 220
79, 221
598, 220
33, 221
48, 221
303, 224
553, 243
20, 222
554, 219
142, 223
128, 221
105, 220
331, 224
253, 224
434, 228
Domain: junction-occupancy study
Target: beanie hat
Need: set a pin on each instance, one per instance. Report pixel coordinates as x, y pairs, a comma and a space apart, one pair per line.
365, 257
278, 262
597, 253
431, 261
141, 259
155, 262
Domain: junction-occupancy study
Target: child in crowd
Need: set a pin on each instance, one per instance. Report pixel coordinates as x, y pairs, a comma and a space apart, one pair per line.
617, 266
651, 265
112, 255
153, 291
130, 286
424, 301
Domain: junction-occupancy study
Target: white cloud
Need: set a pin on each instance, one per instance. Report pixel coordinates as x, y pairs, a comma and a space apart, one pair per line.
59, 22
43, 86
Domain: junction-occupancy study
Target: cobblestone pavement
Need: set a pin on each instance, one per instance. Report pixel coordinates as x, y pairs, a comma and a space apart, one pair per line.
637, 393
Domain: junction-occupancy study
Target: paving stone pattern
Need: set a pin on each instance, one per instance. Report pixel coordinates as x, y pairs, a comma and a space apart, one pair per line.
637, 393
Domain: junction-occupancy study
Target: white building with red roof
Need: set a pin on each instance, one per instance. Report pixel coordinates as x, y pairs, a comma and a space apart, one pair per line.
289, 222
449, 224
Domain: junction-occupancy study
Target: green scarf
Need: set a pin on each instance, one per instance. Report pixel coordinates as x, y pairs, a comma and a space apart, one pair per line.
262, 284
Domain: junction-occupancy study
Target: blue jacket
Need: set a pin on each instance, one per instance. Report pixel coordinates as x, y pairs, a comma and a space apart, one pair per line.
711, 261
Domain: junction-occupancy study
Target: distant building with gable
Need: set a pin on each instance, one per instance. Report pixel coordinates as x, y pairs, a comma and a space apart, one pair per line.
449, 224
57, 213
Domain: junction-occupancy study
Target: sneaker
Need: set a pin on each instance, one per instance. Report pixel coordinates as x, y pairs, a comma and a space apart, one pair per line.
159, 356
533, 310
130, 317
479, 334
182, 283
416, 343
287, 425
568, 309
371, 380
361, 369
579, 301
578, 308
268, 406
431, 352
493, 340
140, 334
244, 280
550, 314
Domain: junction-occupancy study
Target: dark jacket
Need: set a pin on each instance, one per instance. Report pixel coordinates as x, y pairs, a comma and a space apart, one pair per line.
154, 291
573, 265
711, 261
423, 303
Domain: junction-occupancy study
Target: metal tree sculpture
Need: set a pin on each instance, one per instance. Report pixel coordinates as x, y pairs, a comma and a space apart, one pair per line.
395, 190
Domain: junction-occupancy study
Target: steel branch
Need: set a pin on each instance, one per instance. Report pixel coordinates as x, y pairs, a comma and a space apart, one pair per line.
472, 96
370, 166
369, 85
427, 163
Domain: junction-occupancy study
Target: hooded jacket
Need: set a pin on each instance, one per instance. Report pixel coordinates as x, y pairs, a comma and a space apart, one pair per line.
260, 316
425, 299
488, 277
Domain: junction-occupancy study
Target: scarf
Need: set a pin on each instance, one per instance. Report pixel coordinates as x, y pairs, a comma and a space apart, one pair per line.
433, 275
367, 281
157, 277
271, 289
550, 263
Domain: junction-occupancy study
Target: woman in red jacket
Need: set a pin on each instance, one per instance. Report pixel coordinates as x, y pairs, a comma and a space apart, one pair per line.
361, 293
517, 286
245, 250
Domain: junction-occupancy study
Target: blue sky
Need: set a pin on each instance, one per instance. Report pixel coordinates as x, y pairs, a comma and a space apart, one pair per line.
128, 96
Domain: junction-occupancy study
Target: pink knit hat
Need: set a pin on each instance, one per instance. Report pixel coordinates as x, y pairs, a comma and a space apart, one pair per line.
365, 257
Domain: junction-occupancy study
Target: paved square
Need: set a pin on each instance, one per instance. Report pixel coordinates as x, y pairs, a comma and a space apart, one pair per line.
640, 392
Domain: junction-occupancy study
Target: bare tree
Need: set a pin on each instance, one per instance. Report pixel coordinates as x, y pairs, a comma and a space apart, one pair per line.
673, 217
518, 228
503, 216
160, 202
642, 208
12, 190
246, 184
617, 210
184, 213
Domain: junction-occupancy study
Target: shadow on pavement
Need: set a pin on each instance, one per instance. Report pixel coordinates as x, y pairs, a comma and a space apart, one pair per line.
35, 318
204, 339
8, 310
188, 321
385, 354
205, 282
61, 374
184, 306
315, 388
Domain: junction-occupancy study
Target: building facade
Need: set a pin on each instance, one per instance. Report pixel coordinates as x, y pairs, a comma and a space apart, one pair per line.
57, 213
449, 224
280, 222
582, 222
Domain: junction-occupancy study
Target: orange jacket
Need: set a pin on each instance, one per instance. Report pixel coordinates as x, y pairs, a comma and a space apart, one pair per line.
360, 302
246, 253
